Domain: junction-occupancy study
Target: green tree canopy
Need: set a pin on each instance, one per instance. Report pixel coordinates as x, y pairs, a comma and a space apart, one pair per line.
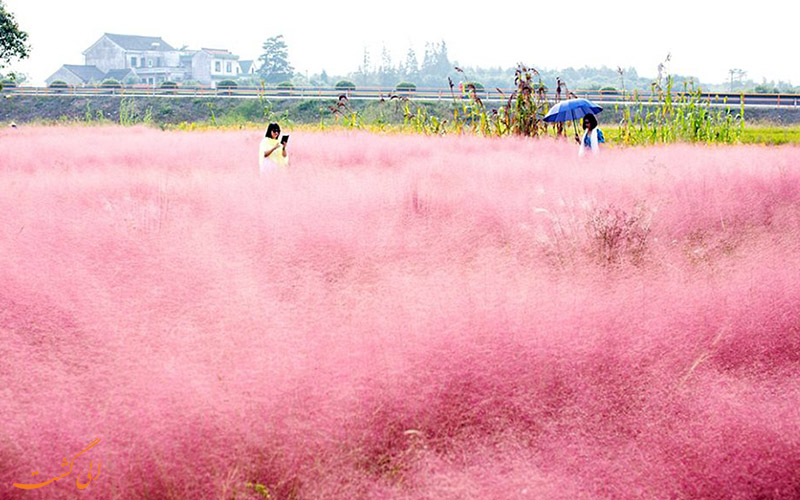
275, 66
13, 41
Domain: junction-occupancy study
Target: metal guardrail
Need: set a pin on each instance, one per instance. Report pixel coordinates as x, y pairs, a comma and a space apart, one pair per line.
377, 93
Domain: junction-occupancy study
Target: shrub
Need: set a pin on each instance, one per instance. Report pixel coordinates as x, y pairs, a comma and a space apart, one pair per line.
111, 83
765, 88
168, 87
405, 87
285, 88
227, 85
7, 83
345, 85
59, 84
470, 89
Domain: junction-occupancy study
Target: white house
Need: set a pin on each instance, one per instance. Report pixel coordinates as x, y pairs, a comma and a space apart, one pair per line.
152, 59
149, 60
213, 65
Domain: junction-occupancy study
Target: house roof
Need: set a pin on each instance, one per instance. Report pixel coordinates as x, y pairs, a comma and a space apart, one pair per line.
135, 42
246, 66
220, 53
86, 73
119, 74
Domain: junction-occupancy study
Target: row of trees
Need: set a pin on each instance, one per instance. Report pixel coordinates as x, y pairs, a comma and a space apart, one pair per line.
436, 67
432, 71
275, 67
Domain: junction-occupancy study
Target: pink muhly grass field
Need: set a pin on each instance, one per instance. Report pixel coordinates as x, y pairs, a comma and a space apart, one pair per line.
397, 317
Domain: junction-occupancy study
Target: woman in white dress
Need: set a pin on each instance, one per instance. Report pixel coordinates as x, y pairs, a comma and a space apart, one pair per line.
272, 153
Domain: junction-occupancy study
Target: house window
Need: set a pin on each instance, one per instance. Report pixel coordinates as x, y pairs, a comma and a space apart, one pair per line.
228, 68
133, 62
149, 63
218, 66
158, 62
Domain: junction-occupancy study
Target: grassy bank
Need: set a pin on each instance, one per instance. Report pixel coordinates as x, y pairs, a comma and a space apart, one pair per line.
764, 126
760, 133
771, 134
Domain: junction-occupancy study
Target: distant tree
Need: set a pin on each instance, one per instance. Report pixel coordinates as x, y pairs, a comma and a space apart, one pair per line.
436, 65
324, 78
411, 66
13, 41
275, 66
443, 64
364, 71
429, 59
766, 88
17, 78
365, 63
386, 72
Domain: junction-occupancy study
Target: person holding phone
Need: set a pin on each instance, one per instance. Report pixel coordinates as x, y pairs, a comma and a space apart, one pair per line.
272, 151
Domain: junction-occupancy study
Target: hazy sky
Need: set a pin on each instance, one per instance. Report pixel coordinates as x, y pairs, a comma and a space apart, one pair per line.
705, 38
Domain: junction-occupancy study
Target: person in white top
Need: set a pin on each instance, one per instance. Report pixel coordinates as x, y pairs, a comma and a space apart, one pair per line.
272, 151
592, 136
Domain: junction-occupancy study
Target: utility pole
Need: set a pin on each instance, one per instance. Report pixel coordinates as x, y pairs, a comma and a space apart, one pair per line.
737, 75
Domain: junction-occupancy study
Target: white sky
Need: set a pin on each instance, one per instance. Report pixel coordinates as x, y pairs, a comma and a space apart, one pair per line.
705, 38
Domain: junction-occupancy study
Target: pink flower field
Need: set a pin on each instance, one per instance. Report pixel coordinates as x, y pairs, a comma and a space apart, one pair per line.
396, 317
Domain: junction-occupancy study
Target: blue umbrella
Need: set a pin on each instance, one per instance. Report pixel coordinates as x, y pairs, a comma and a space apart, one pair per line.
572, 109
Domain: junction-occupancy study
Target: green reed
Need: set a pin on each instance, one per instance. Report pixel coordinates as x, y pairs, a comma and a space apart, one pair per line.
685, 116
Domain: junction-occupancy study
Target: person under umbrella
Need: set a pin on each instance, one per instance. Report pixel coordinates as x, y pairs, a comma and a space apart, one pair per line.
576, 109
592, 136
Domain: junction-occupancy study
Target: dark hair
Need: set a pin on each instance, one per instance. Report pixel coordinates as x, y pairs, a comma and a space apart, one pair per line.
273, 127
592, 121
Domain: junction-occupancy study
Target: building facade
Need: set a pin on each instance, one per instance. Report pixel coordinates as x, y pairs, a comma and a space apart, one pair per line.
214, 65
151, 61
